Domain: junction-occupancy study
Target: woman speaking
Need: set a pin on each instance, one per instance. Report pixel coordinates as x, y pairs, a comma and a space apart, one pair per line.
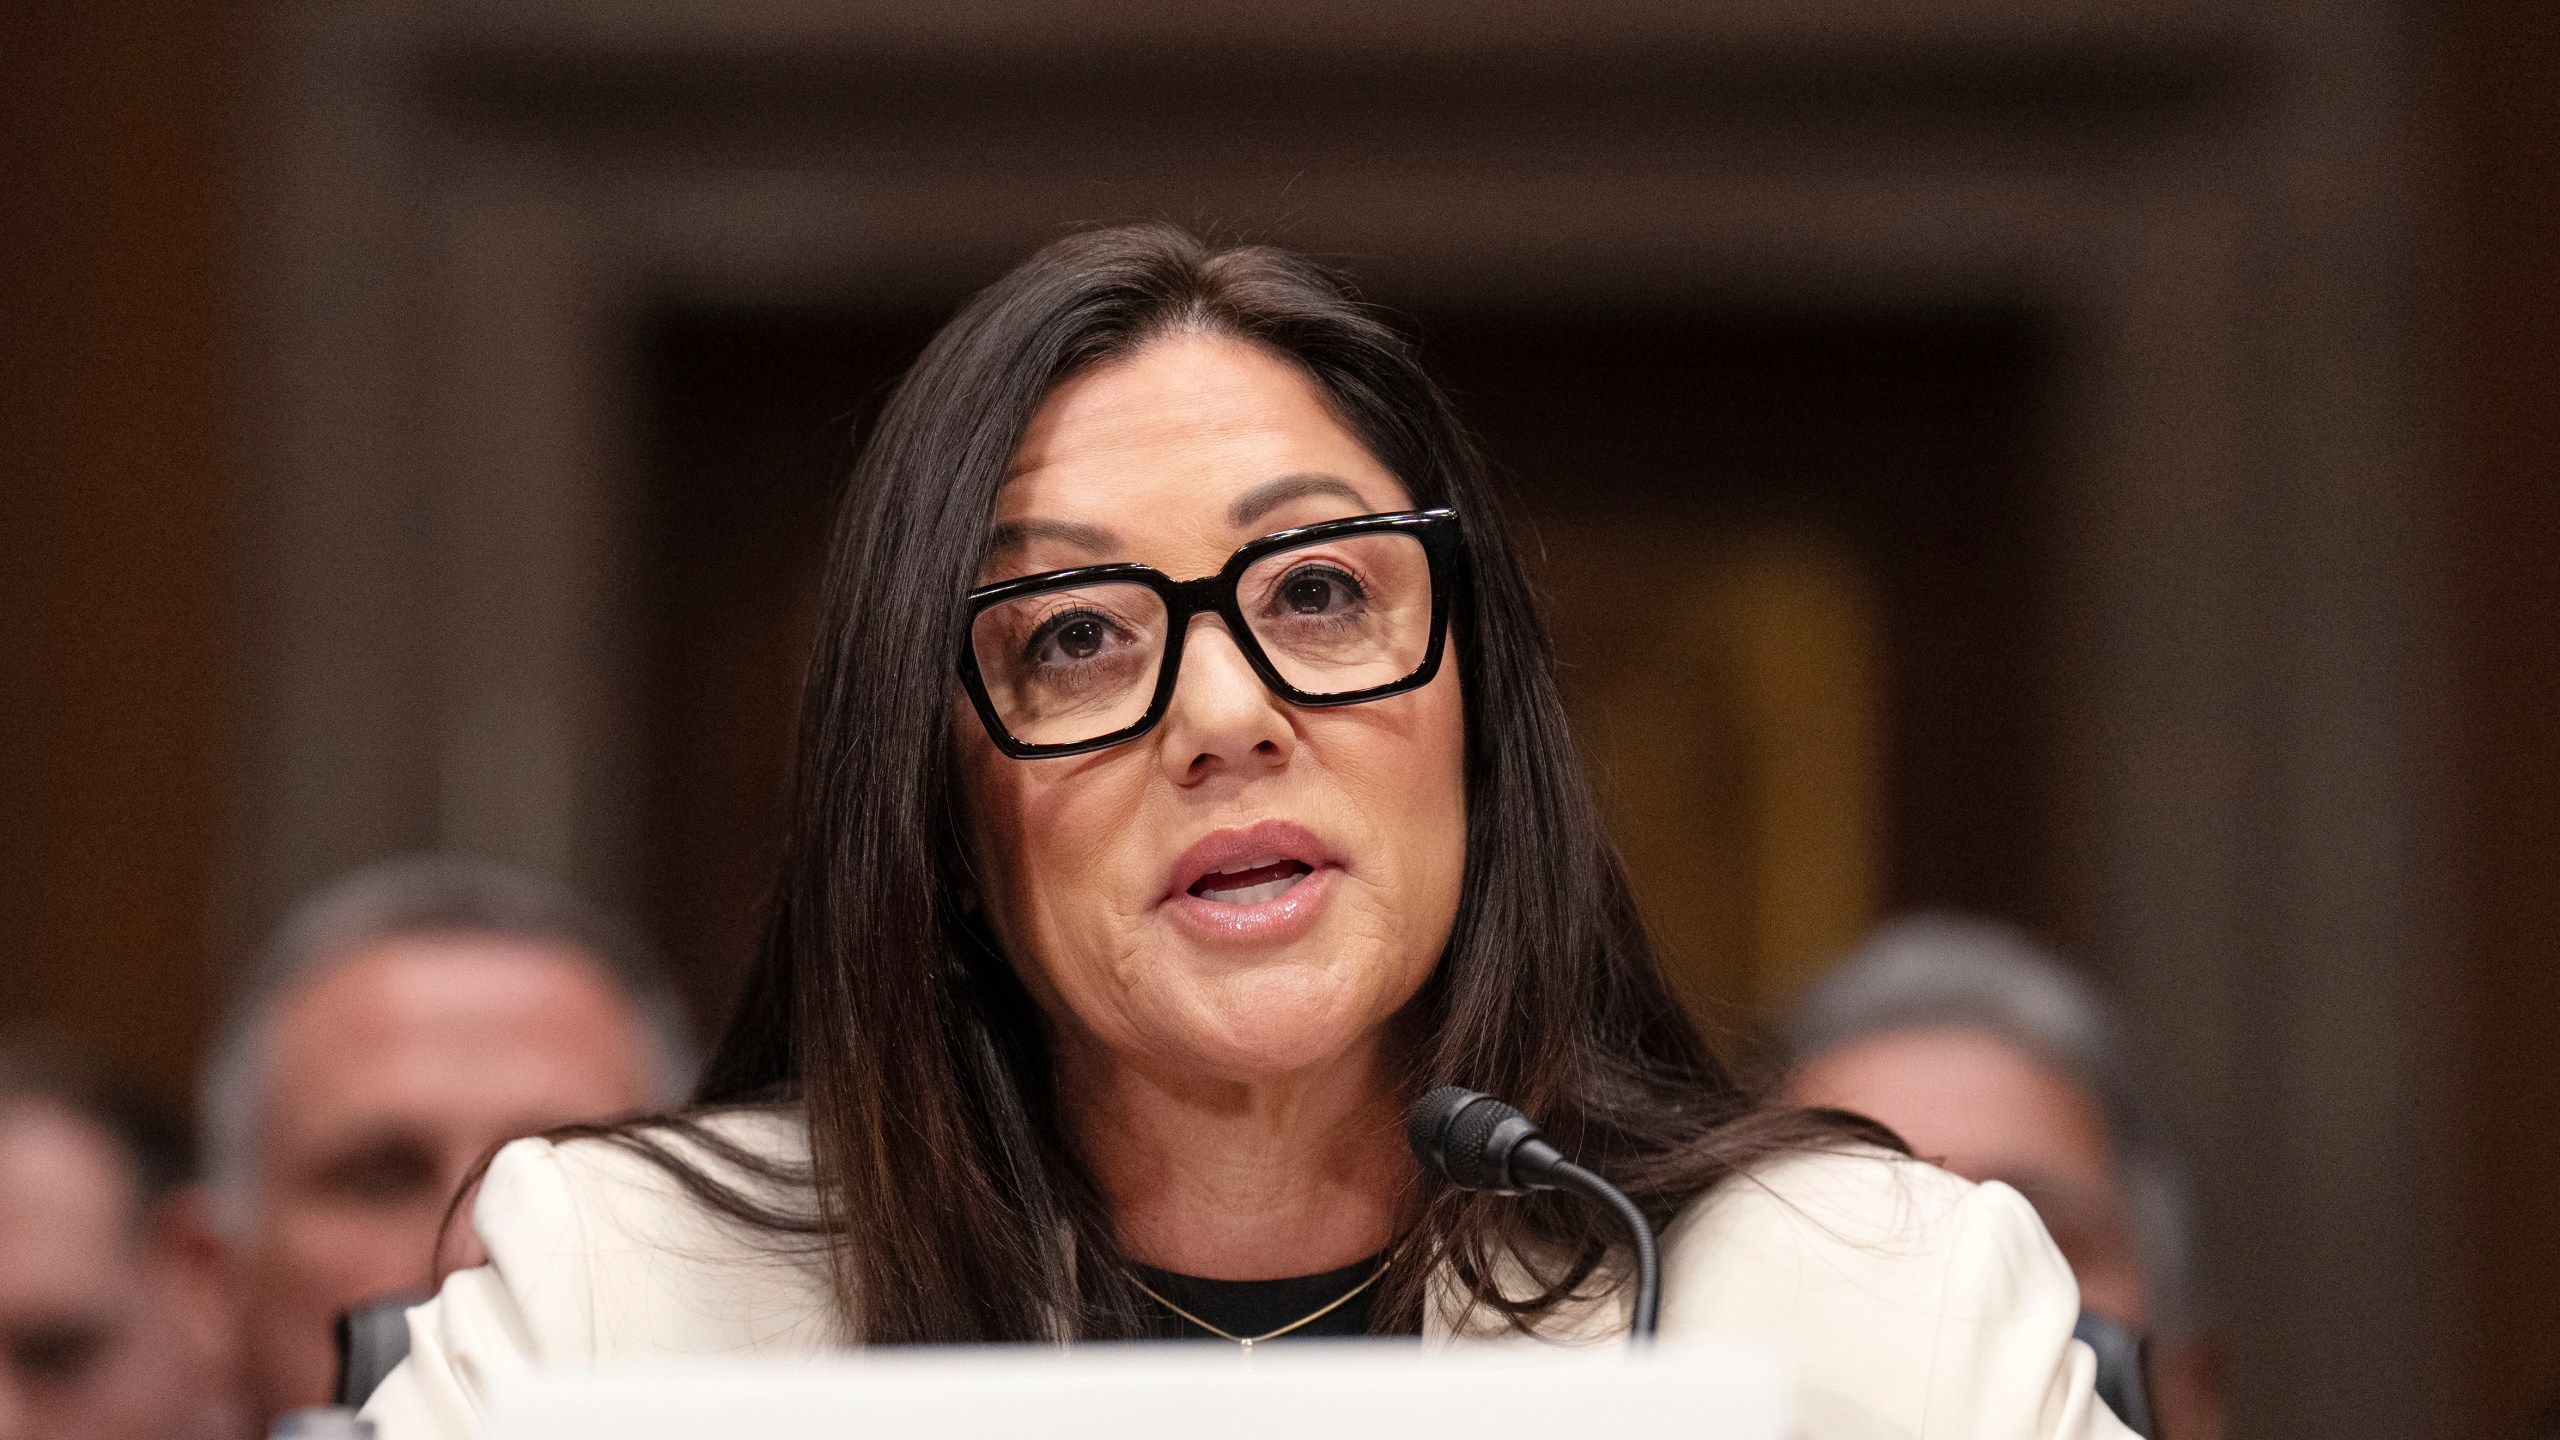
1182, 790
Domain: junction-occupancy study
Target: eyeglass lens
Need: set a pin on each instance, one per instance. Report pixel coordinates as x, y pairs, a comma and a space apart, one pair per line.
1334, 617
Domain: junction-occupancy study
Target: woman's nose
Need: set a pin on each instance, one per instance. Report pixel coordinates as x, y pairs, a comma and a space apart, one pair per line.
1221, 717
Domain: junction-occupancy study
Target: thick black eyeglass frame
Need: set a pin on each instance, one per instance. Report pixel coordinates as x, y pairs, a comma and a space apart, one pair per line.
1437, 530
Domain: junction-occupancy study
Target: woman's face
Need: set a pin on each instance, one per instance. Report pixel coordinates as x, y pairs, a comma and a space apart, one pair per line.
1249, 889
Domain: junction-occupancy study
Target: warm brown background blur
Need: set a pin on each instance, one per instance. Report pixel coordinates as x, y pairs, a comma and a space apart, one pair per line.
2090, 462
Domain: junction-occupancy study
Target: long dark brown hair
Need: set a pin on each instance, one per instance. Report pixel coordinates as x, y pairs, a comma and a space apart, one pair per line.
940, 1184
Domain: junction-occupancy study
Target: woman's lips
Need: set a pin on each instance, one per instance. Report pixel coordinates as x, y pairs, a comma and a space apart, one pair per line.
1262, 882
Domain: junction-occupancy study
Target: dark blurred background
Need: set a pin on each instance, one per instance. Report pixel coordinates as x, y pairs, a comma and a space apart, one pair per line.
2084, 461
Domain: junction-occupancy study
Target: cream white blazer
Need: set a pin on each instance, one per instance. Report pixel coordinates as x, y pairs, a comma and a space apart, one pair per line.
1907, 1302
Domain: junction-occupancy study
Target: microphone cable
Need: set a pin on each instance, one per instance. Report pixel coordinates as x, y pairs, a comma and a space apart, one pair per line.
1476, 1142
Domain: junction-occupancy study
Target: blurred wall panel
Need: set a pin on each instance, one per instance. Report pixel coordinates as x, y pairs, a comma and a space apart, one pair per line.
1804, 624
1796, 566
751, 419
115, 298
2506, 55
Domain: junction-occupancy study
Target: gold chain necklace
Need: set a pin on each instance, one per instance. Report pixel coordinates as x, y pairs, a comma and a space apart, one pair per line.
1249, 1341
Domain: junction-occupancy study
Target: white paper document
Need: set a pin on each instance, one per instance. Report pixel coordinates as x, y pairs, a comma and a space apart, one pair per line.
1348, 1390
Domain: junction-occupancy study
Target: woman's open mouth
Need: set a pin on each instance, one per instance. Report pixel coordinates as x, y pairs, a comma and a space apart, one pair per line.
1253, 882
1264, 882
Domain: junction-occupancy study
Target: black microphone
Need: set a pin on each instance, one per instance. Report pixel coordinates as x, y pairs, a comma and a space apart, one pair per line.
1476, 1142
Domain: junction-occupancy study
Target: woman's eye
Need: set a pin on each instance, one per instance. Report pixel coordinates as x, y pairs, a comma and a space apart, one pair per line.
1080, 640
1313, 591
1066, 639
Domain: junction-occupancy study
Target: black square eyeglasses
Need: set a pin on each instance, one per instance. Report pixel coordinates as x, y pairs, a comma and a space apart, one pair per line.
1330, 614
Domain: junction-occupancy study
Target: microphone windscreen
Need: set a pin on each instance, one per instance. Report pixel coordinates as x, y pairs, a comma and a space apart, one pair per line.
1468, 1145
1451, 1130
1426, 1129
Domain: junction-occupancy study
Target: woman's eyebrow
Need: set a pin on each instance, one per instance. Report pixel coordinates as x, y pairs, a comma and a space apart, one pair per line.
1270, 495
1014, 534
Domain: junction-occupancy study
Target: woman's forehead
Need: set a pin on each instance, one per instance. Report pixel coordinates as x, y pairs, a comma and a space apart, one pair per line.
1180, 452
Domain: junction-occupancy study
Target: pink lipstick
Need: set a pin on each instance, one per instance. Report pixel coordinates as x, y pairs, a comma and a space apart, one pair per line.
1264, 882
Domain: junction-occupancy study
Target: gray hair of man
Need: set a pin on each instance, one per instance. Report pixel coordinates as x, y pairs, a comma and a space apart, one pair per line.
418, 895
151, 1140
1933, 970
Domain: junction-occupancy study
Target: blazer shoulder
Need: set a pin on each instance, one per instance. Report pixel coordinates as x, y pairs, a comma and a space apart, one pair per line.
599, 1253
666, 1272
1860, 1199
630, 1182
1908, 1301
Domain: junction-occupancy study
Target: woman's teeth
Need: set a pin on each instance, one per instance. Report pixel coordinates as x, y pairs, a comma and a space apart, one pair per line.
1252, 884
1255, 894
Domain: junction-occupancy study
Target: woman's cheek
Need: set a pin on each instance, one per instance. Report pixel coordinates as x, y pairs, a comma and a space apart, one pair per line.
1415, 817
1085, 872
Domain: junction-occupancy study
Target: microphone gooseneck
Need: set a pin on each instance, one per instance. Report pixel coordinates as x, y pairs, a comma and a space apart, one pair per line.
1476, 1142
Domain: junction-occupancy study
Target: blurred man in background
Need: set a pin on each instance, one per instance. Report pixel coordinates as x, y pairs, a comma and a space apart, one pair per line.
1992, 1060
403, 1023
112, 1325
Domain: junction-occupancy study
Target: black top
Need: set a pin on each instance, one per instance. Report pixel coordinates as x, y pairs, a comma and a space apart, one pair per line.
1258, 1307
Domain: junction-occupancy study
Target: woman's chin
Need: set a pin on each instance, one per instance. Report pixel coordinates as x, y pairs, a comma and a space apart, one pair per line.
1277, 1021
